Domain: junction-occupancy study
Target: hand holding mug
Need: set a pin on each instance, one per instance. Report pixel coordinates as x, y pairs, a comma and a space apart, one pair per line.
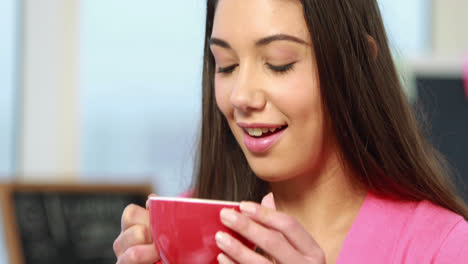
134, 245
277, 234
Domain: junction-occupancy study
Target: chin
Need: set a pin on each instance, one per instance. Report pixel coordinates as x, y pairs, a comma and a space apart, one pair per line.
271, 174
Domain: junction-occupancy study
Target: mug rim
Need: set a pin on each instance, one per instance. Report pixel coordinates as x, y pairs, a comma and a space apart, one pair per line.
193, 200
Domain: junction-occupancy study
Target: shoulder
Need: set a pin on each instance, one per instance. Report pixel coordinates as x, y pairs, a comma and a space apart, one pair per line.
433, 220
455, 246
447, 231
414, 216
400, 231
433, 234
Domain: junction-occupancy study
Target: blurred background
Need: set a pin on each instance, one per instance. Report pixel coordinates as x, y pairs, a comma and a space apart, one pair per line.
109, 91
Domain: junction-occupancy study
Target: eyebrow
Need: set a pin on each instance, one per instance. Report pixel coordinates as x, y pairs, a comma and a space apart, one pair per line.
261, 42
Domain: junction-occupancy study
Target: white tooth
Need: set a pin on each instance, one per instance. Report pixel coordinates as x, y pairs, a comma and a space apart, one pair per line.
265, 130
272, 130
256, 132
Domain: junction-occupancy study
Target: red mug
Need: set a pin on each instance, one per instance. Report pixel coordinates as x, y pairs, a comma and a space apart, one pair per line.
184, 229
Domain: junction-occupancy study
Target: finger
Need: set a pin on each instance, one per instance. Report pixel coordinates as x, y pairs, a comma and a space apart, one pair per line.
223, 259
271, 241
269, 201
134, 215
285, 224
236, 251
147, 200
141, 254
134, 235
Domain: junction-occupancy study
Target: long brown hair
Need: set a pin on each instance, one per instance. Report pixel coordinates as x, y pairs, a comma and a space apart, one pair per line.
376, 130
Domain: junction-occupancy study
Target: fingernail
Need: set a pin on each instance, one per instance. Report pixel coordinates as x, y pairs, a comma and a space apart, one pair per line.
228, 216
248, 208
223, 259
222, 240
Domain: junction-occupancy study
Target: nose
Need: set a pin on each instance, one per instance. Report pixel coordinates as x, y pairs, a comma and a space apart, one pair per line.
247, 93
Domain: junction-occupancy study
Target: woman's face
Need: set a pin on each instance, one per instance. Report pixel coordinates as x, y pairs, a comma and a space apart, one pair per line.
267, 86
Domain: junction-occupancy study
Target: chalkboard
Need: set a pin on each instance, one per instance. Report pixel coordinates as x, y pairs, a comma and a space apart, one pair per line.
445, 106
57, 224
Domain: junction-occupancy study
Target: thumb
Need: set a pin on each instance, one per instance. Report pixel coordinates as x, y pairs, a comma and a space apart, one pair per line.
147, 201
269, 201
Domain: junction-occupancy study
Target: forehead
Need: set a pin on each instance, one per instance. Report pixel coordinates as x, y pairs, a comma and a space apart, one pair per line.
252, 19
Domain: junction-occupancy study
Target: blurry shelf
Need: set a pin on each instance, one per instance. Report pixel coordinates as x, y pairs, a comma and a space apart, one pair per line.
444, 67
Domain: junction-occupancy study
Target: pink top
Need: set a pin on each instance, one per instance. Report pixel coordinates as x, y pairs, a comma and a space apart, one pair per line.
388, 231
393, 231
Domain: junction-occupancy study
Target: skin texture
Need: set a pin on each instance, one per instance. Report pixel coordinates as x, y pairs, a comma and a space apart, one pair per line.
316, 200
134, 244
279, 235
255, 93
312, 205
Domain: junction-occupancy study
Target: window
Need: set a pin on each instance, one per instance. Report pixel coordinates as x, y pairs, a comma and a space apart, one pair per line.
8, 62
408, 25
9, 30
140, 85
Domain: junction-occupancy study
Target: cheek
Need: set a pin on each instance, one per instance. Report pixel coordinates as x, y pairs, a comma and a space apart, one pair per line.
299, 98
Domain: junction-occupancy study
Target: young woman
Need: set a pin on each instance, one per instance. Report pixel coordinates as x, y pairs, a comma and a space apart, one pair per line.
302, 106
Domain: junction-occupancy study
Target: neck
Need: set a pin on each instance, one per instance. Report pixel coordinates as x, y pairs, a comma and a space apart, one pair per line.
325, 203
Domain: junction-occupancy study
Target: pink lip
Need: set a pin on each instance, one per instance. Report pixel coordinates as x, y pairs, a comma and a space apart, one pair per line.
260, 145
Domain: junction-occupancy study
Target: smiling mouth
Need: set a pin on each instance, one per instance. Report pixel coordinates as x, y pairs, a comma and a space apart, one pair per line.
258, 132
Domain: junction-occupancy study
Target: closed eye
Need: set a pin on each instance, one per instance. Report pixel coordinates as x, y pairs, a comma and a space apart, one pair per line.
228, 69
281, 68
276, 68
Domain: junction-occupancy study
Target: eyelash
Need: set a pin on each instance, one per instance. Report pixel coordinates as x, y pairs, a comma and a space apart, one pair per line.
227, 70
282, 69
